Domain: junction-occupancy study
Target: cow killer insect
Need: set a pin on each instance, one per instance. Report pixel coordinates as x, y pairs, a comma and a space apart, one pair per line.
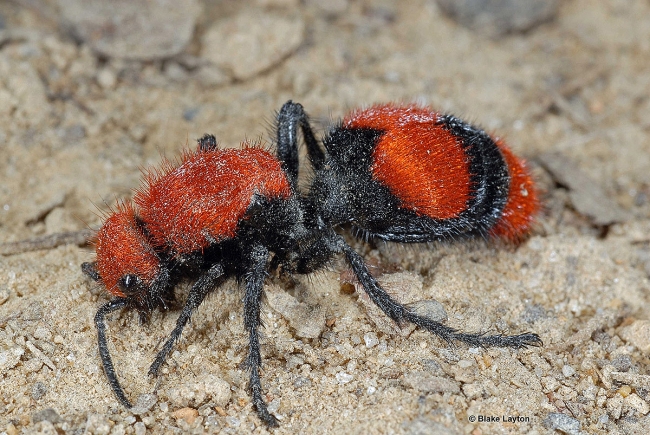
399, 173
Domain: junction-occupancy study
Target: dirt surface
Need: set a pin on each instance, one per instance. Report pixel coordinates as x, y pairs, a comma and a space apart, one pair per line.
82, 111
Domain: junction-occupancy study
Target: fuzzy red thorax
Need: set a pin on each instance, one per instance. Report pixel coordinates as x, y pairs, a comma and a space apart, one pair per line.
200, 201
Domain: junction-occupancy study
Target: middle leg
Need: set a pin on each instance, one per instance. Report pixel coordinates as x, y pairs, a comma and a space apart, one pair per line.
258, 260
291, 116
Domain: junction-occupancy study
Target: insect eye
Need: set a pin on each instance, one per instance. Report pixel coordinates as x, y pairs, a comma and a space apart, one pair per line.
130, 284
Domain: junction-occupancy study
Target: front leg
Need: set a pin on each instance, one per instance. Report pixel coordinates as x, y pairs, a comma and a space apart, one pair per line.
105, 355
255, 275
208, 282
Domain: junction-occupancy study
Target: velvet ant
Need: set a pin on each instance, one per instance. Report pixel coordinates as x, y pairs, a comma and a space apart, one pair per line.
399, 173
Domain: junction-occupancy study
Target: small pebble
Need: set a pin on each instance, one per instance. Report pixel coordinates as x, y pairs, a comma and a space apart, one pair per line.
42, 333
274, 405
562, 422
625, 390
533, 312
106, 79
144, 403
615, 406
47, 414
308, 321
586, 194
636, 381
568, 371
638, 334
233, 421
343, 378
33, 312
98, 424
623, 363
38, 391
140, 428
422, 381
636, 404
217, 389
301, 381
371, 340
473, 391
187, 414
198, 390
9, 358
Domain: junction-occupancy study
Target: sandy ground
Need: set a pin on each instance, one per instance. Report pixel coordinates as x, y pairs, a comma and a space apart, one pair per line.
78, 121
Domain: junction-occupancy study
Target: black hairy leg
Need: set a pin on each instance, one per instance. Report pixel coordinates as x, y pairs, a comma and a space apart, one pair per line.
255, 276
290, 117
400, 314
206, 283
395, 172
107, 363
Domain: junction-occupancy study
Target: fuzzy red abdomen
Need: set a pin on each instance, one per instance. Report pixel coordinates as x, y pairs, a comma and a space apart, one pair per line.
420, 162
425, 166
522, 205
189, 206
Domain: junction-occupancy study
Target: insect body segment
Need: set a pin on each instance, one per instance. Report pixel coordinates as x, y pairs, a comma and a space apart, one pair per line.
202, 200
125, 259
400, 173
522, 206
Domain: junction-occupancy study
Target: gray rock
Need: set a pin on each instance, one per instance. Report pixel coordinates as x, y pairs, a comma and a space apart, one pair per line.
47, 414
308, 321
638, 334
562, 422
586, 196
252, 42
132, 29
498, 17
144, 403
425, 382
